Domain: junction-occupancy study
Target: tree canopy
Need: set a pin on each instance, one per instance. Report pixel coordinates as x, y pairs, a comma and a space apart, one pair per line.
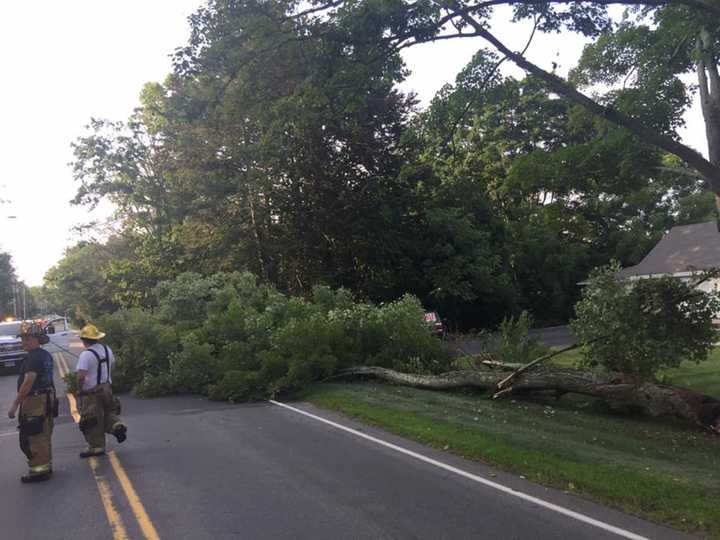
647, 51
280, 144
7, 283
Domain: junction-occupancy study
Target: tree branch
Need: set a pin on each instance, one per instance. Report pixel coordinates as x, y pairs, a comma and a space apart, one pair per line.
693, 158
504, 385
400, 46
486, 80
617, 390
703, 5
682, 172
313, 10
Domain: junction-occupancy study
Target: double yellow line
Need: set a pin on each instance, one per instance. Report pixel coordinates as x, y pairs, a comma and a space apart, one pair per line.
117, 525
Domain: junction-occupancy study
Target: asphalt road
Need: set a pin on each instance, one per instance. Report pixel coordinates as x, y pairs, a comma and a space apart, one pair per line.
195, 469
555, 336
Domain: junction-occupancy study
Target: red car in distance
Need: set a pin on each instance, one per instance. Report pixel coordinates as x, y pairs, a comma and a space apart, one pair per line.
436, 324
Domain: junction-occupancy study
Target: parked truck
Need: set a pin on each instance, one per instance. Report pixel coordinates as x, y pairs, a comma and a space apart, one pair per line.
11, 351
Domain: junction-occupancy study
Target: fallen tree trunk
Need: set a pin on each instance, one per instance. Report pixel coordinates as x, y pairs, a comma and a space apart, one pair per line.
617, 391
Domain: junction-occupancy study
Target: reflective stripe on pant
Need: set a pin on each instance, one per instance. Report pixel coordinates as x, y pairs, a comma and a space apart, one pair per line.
36, 427
97, 416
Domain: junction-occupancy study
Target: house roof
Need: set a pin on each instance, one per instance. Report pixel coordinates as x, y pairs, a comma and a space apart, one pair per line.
684, 248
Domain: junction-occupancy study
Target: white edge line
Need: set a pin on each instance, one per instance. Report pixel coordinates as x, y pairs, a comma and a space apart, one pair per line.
529, 498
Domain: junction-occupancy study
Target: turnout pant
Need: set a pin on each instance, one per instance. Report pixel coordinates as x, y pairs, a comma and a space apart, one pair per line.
98, 416
36, 427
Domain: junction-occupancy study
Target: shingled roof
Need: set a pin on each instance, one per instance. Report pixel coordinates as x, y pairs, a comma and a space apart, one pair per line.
683, 249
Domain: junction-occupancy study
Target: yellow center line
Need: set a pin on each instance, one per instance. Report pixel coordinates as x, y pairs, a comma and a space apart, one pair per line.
116, 523
117, 527
61, 368
64, 370
73, 408
138, 509
136, 505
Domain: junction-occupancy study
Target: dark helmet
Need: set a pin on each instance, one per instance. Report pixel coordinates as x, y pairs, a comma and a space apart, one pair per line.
33, 329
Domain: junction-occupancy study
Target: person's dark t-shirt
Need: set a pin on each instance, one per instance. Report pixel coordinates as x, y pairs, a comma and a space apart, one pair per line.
39, 361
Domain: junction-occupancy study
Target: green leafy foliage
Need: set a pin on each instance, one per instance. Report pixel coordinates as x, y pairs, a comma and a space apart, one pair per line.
71, 385
642, 59
7, 280
229, 337
238, 386
16, 298
515, 345
280, 144
640, 327
142, 344
83, 285
526, 193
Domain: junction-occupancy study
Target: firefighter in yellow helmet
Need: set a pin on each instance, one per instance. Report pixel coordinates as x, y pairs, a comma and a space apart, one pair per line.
36, 403
98, 408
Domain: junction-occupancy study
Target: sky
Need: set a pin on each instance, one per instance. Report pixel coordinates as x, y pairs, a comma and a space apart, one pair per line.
67, 62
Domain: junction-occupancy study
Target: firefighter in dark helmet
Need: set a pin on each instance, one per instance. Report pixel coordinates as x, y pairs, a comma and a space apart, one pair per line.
36, 404
98, 408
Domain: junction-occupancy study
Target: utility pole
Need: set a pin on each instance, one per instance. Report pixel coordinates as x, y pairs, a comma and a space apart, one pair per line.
15, 300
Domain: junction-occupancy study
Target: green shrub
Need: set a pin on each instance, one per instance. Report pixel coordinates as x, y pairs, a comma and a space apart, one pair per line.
326, 299
156, 385
229, 337
408, 344
273, 368
238, 386
70, 380
191, 370
141, 344
184, 301
641, 327
515, 345
194, 368
393, 335
308, 348
239, 356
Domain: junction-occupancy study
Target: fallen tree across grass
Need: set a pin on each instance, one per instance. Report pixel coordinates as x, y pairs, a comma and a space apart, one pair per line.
618, 391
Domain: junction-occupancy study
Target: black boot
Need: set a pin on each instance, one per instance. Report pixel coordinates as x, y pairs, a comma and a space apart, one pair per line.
120, 432
31, 478
90, 452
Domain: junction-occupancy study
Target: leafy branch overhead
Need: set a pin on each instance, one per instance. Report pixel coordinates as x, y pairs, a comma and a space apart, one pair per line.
657, 40
281, 144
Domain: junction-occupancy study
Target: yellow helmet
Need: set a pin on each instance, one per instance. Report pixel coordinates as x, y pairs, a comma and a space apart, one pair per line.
90, 331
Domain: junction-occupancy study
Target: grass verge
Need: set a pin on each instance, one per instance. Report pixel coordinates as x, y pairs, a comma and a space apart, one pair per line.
658, 469
703, 378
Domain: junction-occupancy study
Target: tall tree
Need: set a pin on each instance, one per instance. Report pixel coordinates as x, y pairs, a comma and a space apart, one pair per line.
283, 162
558, 190
686, 37
643, 61
8, 282
78, 284
280, 144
